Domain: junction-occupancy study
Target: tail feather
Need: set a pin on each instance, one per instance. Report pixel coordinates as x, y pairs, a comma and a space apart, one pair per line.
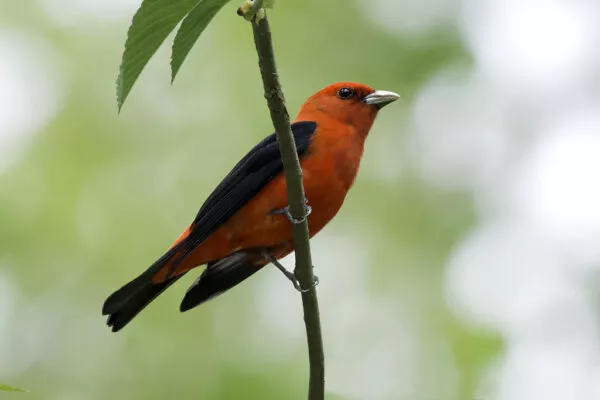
218, 277
119, 317
124, 304
121, 297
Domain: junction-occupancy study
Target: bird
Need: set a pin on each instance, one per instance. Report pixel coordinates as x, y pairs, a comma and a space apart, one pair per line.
242, 225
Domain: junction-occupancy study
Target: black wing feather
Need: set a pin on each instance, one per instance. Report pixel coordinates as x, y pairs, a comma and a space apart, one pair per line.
122, 315
219, 277
248, 177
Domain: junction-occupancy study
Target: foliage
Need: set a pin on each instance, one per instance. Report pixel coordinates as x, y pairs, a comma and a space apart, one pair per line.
7, 388
152, 23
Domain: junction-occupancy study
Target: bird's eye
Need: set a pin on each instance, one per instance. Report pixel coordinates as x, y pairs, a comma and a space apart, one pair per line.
345, 93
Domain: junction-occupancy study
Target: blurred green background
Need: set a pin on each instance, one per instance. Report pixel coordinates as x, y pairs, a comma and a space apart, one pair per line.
89, 198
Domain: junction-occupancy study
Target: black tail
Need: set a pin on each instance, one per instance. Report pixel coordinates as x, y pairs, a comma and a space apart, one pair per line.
124, 304
118, 299
218, 277
126, 311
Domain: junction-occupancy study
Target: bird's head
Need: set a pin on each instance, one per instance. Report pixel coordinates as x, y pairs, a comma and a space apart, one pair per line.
347, 102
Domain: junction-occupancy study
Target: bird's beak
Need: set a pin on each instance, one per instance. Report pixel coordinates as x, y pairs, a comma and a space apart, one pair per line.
381, 98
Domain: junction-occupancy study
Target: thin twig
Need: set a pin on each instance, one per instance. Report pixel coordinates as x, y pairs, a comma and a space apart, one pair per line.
295, 191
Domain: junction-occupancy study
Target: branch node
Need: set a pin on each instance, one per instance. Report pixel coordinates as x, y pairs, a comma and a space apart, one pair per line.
314, 285
254, 10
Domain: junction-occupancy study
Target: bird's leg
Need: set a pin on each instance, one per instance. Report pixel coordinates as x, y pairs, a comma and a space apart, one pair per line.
286, 211
288, 274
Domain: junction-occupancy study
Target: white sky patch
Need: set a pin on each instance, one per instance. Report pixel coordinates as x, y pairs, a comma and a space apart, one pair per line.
525, 270
460, 134
493, 273
506, 278
559, 188
7, 309
23, 333
410, 17
533, 49
30, 95
52, 329
559, 372
70, 13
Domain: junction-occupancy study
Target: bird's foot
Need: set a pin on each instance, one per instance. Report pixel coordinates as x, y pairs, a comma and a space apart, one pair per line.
289, 274
286, 211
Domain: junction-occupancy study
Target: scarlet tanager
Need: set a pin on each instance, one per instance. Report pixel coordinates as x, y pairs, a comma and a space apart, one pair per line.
241, 228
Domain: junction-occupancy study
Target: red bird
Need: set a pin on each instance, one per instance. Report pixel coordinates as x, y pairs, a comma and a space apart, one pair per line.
242, 226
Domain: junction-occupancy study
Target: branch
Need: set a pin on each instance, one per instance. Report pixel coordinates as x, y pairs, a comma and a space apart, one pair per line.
295, 191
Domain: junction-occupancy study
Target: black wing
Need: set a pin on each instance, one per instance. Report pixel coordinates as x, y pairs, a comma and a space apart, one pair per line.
247, 178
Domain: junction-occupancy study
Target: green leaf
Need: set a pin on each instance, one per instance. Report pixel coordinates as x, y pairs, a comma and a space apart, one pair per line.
7, 388
191, 28
151, 25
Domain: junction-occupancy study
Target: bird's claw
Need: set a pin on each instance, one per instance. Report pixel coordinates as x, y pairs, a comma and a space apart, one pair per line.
314, 285
297, 286
290, 275
286, 211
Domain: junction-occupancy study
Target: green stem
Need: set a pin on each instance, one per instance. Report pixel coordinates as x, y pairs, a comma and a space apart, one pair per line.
295, 191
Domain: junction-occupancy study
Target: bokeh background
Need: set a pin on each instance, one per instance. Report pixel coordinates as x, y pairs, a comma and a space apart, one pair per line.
464, 264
